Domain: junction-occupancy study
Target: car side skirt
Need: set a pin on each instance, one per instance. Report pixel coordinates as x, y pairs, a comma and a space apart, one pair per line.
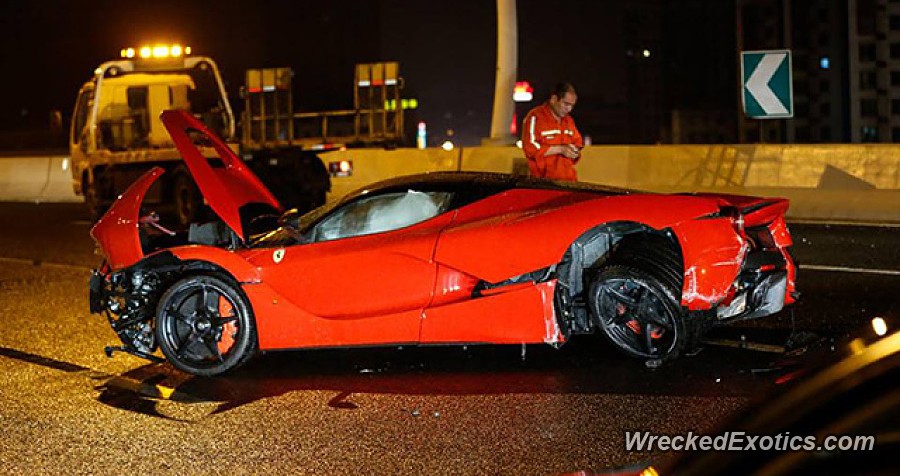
523, 315
520, 316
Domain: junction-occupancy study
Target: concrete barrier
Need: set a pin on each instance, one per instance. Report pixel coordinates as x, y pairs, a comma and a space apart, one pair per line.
835, 182
59, 181
373, 165
831, 166
852, 182
43, 178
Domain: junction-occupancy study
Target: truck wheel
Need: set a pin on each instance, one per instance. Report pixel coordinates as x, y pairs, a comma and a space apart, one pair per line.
186, 199
94, 209
93, 199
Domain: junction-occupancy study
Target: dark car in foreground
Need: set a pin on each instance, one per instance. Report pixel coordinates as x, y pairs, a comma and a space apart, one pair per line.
837, 412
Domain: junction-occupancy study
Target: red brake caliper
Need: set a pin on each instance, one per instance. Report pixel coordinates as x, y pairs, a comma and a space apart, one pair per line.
632, 324
229, 329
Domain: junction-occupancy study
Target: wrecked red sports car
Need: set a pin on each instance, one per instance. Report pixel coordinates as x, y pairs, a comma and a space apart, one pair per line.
441, 258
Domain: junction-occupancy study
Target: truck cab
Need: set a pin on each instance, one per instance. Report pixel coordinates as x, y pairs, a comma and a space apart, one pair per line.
116, 133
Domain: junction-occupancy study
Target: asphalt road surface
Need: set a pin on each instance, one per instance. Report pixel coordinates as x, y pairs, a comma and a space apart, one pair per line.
67, 408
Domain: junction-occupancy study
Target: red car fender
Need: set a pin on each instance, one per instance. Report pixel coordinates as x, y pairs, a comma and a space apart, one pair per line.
536, 231
783, 240
713, 253
117, 231
235, 263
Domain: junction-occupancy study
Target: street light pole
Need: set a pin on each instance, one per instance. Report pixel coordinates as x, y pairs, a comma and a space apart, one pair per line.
739, 36
507, 55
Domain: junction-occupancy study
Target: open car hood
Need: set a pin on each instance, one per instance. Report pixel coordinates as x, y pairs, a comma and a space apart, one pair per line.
230, 187
232, 190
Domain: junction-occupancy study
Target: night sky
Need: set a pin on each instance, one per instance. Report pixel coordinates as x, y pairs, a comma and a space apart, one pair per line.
446, 51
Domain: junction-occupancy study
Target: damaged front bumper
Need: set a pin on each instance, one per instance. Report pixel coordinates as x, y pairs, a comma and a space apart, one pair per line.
124, 299
129, 296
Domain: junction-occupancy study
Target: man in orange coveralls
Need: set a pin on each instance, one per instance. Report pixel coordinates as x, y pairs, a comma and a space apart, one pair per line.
550, 139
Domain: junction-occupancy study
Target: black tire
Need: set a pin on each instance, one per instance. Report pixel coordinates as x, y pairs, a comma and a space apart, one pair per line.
186, 198
92, 203
94, 196
193, 333
639, 312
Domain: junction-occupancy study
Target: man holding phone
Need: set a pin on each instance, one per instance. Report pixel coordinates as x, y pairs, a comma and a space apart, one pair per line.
550, 139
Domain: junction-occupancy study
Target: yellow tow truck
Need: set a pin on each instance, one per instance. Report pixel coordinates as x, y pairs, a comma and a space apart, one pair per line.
116, 134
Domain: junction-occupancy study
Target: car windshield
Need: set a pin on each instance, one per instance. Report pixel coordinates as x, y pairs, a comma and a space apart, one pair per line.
360, 216
291, 230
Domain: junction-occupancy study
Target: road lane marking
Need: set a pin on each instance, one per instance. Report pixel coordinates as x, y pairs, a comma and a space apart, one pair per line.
46, 264
869, 224
844, 269
742, 344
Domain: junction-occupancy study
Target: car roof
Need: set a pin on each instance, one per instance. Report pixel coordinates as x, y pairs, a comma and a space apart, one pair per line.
498, 182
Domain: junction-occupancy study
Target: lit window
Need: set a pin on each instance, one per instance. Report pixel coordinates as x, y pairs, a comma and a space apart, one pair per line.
869, 134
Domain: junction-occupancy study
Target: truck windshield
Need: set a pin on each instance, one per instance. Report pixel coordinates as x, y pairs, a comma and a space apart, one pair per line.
80, 117
129, 106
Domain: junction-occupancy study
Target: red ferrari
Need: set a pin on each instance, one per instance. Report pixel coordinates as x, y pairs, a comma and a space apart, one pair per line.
440, 258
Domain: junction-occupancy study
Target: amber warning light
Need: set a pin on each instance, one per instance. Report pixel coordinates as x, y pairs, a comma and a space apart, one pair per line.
156, 51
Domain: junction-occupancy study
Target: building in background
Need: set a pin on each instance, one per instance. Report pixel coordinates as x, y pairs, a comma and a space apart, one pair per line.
846, 68
816, 33
874, 79
700, 72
